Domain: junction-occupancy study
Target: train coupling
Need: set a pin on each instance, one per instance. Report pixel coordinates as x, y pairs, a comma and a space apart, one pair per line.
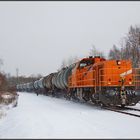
123, 97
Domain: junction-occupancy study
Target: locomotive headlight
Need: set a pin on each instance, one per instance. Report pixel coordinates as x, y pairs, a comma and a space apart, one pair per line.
118, 62
109, 83
130, 82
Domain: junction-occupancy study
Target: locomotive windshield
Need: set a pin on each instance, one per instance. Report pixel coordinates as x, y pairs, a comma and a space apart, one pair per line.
85, 63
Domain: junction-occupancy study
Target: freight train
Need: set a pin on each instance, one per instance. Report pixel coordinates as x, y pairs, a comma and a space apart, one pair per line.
92, 79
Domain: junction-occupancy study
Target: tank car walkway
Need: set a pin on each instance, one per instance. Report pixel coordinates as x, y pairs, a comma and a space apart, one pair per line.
47, 117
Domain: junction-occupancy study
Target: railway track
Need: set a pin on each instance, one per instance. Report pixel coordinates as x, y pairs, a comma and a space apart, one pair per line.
128, 108
119, 109
123, 110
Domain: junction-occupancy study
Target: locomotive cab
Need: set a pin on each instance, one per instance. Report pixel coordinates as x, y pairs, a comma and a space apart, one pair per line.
85, 62
89, 61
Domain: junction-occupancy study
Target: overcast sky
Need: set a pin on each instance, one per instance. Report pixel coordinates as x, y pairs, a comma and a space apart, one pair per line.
36, 37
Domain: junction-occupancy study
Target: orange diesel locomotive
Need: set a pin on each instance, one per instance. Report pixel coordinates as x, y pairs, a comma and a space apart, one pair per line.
108, 82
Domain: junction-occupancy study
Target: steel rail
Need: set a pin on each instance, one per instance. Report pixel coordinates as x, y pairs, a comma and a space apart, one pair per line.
119, 111
135, 109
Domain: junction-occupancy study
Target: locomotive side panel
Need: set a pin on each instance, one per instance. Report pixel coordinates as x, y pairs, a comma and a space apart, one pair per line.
112, 73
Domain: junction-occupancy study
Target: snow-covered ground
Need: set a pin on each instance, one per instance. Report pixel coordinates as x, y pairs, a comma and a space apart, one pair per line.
49, 117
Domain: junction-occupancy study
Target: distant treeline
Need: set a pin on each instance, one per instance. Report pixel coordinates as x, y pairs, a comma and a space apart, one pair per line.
8, 83
12, 81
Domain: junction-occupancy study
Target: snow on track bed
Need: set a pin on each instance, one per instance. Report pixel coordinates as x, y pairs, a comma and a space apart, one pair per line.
48, 117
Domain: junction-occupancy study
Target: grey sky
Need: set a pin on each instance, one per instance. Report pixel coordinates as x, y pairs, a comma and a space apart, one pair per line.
36, 36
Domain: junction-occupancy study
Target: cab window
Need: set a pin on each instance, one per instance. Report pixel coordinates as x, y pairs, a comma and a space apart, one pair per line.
85, 63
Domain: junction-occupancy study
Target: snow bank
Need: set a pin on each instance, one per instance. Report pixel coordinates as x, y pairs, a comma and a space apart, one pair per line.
4, 108
48, 117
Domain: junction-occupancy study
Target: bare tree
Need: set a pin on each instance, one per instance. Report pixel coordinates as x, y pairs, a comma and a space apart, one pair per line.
3, 82
130, 47
1, 63
72, 60
94, 52
115, 53
64, 64
131, 50
69, 61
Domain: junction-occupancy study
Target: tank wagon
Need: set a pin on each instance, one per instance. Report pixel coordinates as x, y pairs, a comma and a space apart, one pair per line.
92, 79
